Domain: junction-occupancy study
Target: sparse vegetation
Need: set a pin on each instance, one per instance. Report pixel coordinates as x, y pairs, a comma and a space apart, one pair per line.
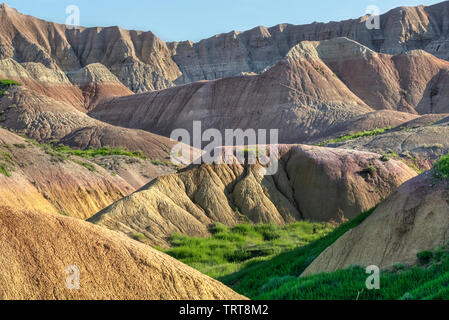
4, 170
231, 249
441, 168
139, 236
356, 135
160, 163
87, 165
5, 84
386, 156
98, 152
369, 171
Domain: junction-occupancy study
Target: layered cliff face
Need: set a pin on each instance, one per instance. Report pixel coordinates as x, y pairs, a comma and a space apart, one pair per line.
411, 220
82, 89
97, 84
140, 60
299, 96
110, 265
317, 86
404, 82
224, 55
45, 81
190, 201
143, 62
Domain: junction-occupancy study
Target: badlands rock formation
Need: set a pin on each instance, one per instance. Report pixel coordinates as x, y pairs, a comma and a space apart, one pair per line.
82, 89
139, 59
45, 119
47, 82
111, 266
411, 220
316, 88
143, 62
402, 29
97, 84
37, 180
403, 82
190, 201
299, 96
420, 141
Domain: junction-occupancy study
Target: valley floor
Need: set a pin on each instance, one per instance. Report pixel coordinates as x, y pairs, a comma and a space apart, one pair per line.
261, 262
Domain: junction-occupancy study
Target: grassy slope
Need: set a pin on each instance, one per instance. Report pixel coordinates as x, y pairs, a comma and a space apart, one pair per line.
259, 277
232, 249
429, 280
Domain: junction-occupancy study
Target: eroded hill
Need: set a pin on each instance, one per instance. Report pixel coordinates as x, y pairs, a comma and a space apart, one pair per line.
413, 219
190, 201
143, 62
111, 266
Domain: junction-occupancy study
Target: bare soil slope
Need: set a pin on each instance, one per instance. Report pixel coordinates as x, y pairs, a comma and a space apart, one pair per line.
39, 180
311, 183
37, 248
411, 220
300, 96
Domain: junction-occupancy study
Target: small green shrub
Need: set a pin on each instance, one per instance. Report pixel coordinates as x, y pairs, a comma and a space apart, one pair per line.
86, 165
441, 168
370, 171
4, 170
139, 236
5, 84
425, 257
9, 83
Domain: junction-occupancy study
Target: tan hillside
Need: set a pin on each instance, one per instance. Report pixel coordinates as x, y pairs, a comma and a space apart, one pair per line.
37, 248
411, 220
40, 180
190, 201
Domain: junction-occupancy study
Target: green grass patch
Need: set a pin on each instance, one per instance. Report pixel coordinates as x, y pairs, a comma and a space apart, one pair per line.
139, 236
160, 163
5, 84
231, 249
251, 279
99, 152
4, 170
8, 83
441, 168
429, 280
356, 135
